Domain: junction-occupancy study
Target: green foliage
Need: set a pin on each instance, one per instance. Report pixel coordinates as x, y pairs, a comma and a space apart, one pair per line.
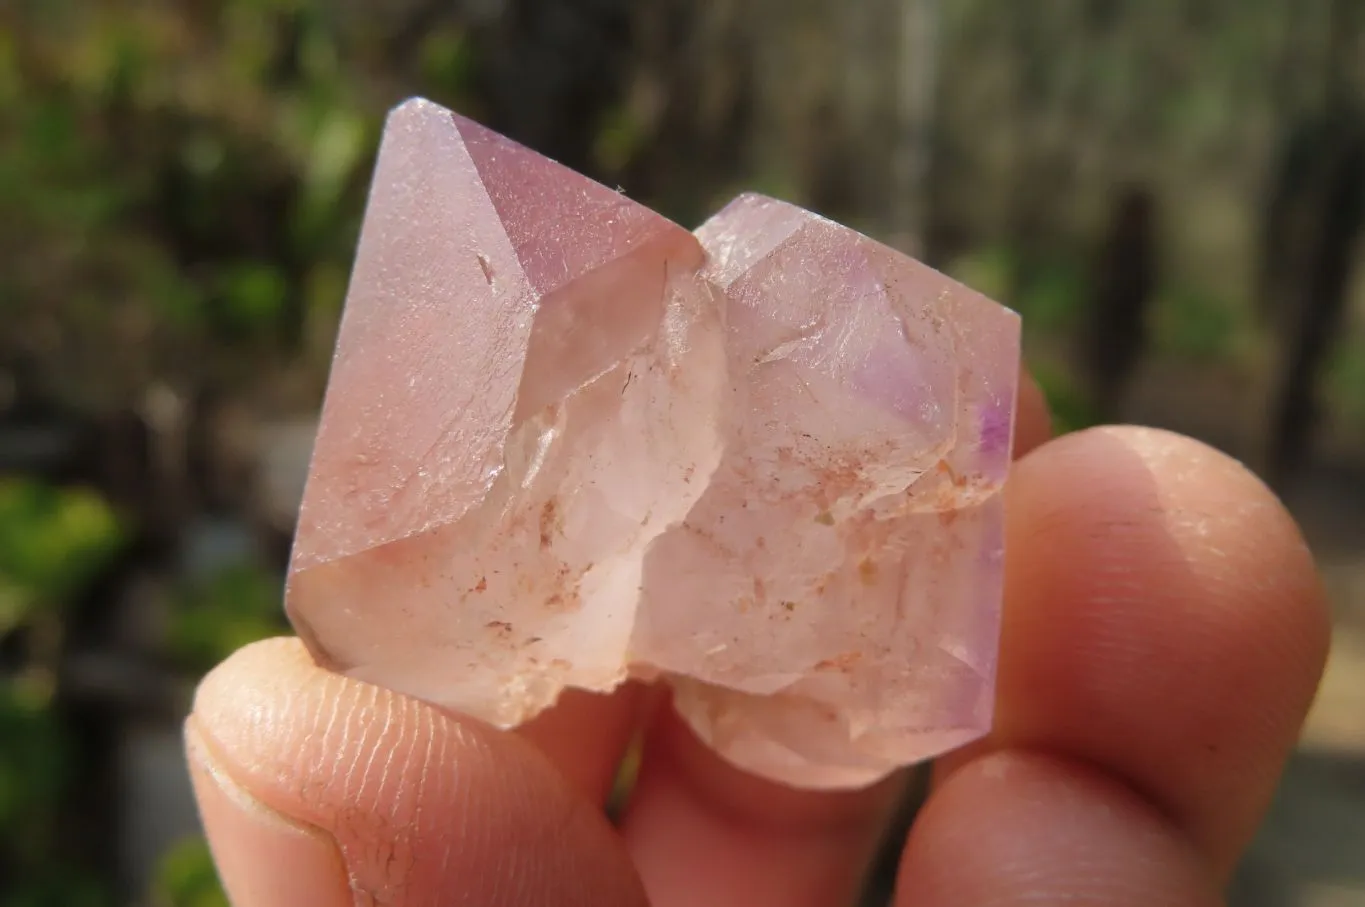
1052, 296
1049, 298
1069, 404
1346, 381
59, 887
52, 542
447, 61
1192, 324
254, 295
183, 174
33, 765
620, 139
218, 615
182, 184
338, 143
1048, 293
186, 877
989, 271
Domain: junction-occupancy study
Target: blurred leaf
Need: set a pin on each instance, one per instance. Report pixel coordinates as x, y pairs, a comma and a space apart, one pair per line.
319, 54
52, 542
220, 614
1346, 380
339, 144
1053, 298
59, 886
255, 294
176, 300
33, 764
987, 270
203, 154
9, 70
324, 294
51, 134
1069, 404
619, 140
186, 877
446, 61
1194, 325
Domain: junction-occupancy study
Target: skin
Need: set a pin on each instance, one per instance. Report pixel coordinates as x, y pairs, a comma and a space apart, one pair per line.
1165, 631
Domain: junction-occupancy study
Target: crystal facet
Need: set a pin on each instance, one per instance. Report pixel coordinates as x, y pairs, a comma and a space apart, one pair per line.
830, 605
509, 424
566, 442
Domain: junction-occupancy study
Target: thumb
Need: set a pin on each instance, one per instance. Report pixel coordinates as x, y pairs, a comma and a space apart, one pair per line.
318, 789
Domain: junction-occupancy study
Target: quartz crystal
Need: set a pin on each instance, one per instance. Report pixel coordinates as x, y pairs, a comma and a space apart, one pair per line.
566, 442
829, 608
526, 393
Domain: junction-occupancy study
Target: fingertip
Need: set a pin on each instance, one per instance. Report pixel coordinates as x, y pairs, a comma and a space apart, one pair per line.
1199, 519
264, 859
1164, 619
1023, 828
425, 807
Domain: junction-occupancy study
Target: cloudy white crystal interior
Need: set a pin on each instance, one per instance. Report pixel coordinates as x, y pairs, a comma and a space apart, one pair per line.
565, 441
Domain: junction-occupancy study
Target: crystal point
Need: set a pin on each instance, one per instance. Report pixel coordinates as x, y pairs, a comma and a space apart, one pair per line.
509, 422
566, 441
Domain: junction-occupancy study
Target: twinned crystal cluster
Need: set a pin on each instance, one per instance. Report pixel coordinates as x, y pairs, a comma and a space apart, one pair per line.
567, 442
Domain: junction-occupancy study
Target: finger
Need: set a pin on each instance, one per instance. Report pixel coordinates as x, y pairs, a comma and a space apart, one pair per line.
585, 736
704, 833
1018, 828
1164, 622
318, 789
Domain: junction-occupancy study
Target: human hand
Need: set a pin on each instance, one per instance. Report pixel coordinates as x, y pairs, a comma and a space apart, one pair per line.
1164, 633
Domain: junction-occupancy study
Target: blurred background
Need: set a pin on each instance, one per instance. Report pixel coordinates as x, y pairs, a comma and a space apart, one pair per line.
1171, 191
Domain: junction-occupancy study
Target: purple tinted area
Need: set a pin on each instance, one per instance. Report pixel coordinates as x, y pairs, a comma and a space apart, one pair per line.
997, 424
892, 378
